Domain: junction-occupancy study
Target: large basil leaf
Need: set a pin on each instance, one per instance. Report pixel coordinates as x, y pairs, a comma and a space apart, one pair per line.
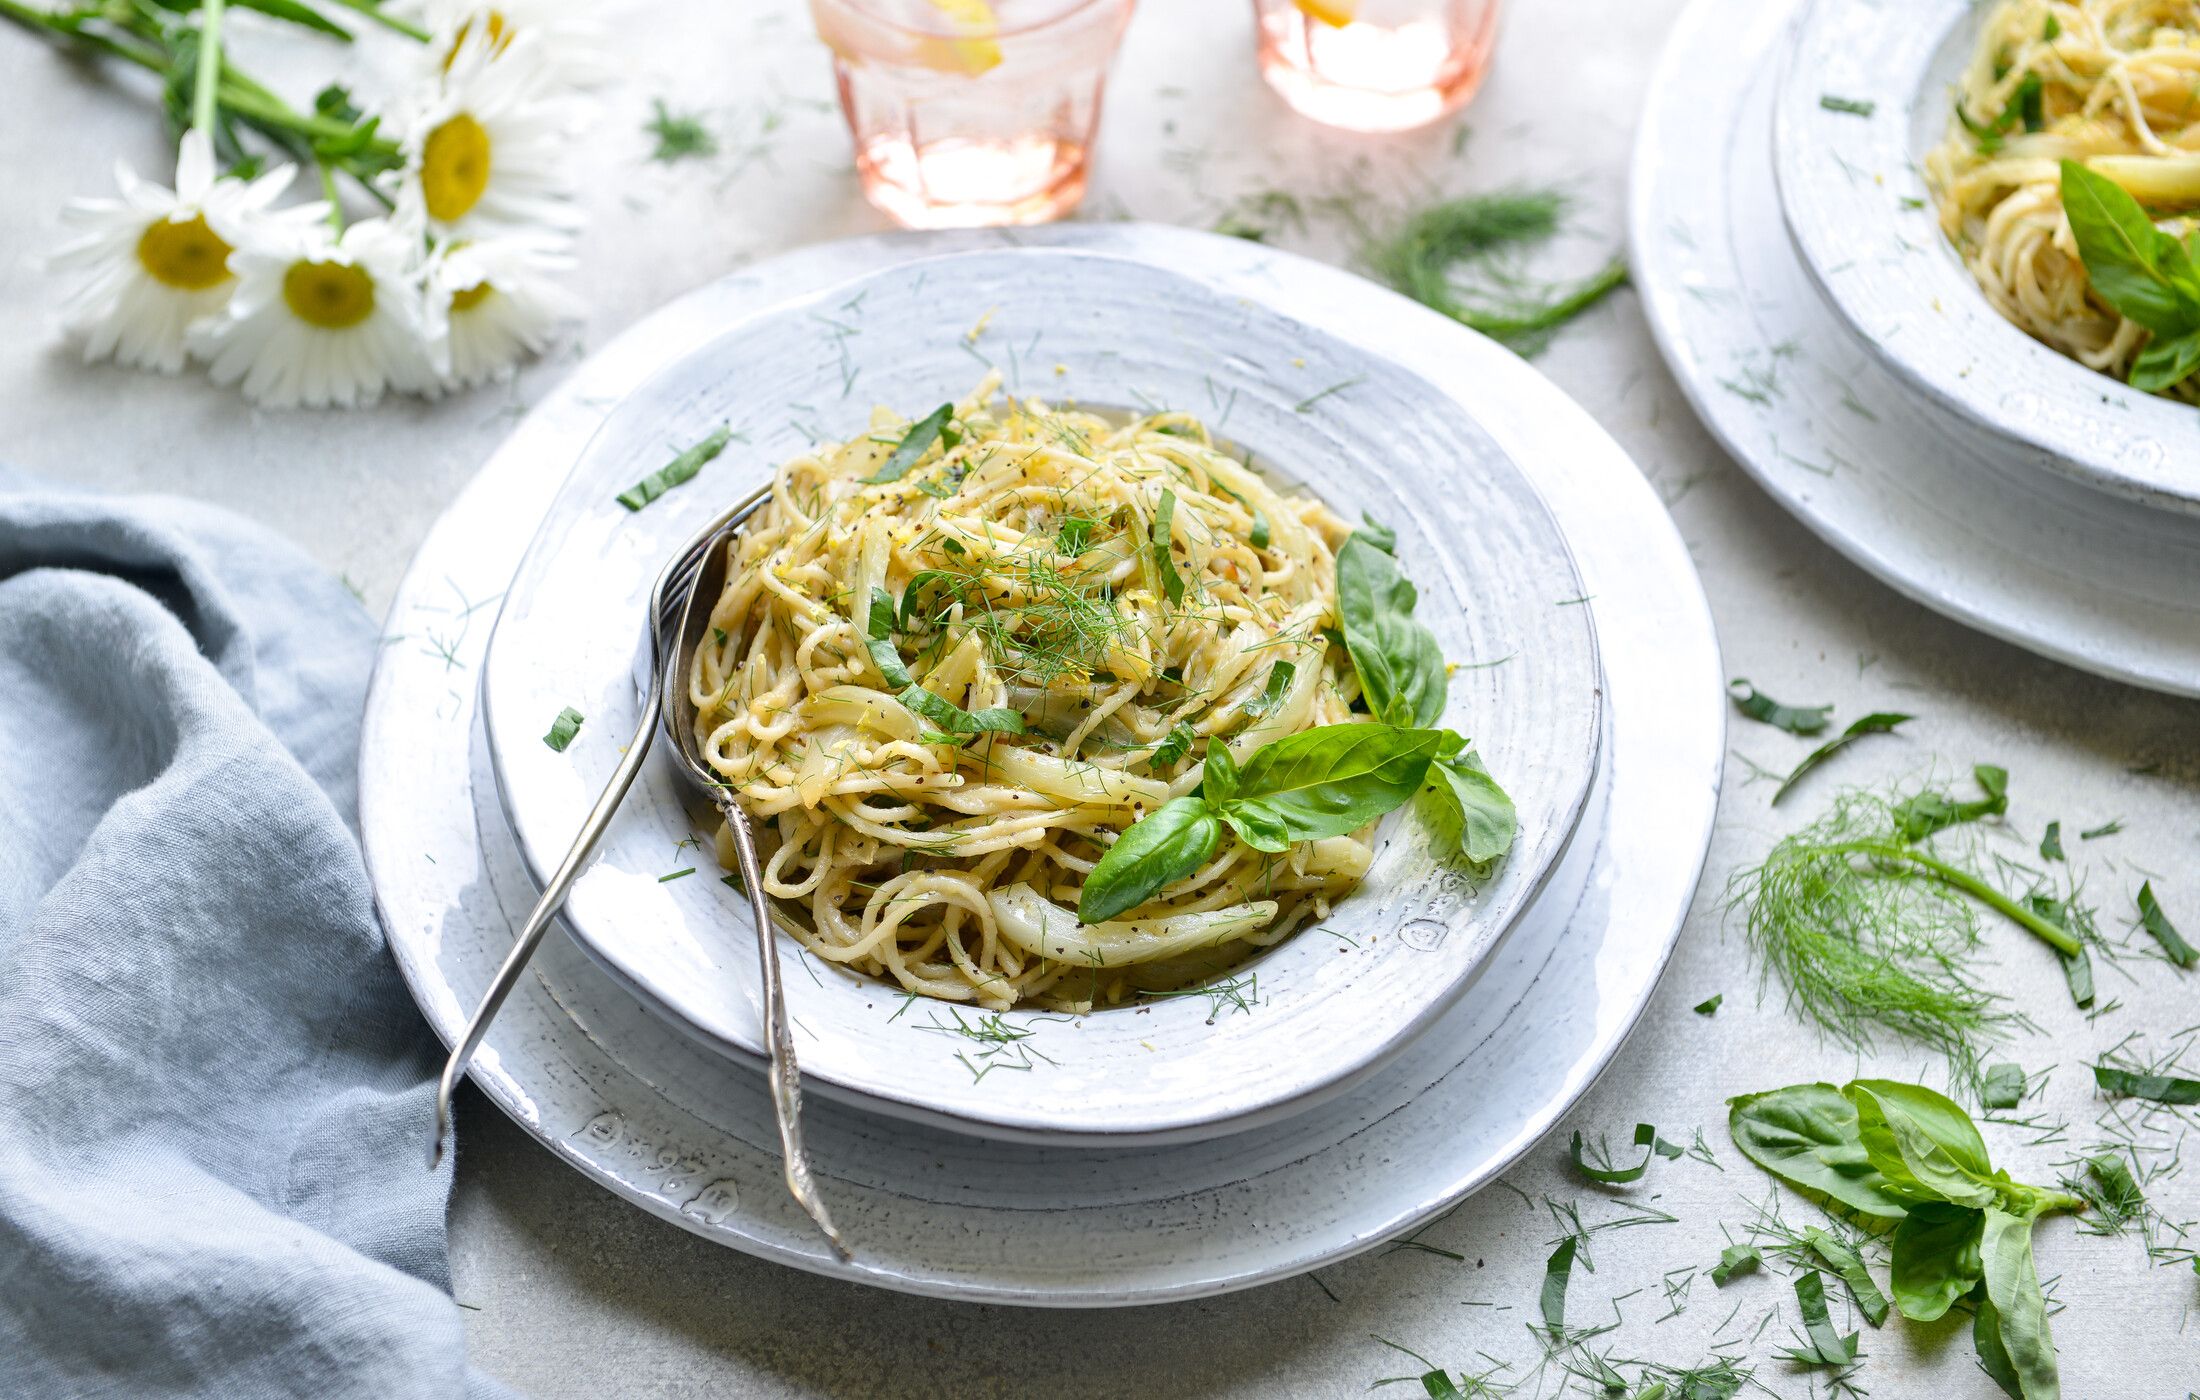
1487, 820
1400, 667
1922, 1142
1158, 850
1807, 1136
2018, 1326
1936, 1259
2139, 270
1323, 782
2168, 360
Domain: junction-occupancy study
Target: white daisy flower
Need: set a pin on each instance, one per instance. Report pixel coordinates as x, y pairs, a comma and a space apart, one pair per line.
489, 303
485, 149
319, 319
157, 259
570, 34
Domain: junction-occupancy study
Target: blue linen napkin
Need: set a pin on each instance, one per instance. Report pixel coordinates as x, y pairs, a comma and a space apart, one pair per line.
215, 1092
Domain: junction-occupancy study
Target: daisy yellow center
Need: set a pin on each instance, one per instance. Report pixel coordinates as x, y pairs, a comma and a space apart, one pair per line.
467, 298
333, 296
454, 167
184, 254
499, 37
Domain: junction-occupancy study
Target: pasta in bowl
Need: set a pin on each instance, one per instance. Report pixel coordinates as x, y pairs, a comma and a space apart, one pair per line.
958, 662
1051, 755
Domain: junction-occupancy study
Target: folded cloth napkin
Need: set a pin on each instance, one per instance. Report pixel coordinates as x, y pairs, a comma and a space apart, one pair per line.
215, 1093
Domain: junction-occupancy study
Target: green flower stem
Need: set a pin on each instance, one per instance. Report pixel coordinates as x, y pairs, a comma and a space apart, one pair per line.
208, 84
373, 11
69, 27
1971, 885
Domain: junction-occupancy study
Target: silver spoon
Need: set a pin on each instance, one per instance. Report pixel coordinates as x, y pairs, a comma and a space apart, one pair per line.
679, 717
670, 613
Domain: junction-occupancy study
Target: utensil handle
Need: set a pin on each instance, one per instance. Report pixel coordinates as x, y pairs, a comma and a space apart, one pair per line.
786, 1074
546, 909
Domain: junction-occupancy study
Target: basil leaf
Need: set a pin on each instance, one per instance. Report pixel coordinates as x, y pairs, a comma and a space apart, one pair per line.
1172, 748
1710, 1005
912, 595
945, 715
1935, 1259
1807, 1135
1923, 1141
2078, 972
879, 641
1279, 683
1879, 722
2165, 933
676, 472
2167, 360
1993, 1358
1487, 821
2051, 842
2160, 1088
1850, 1266
1401, 669
2134, 266
1261, 533
1736, 1259
912, 447
1927, 813
563, 728
1827, 1346
2002, 1087
1164, 562
1645, 1138
1159, 849
1377, 534
1557, 1272
2019, 1316
1795, 719
1325, 782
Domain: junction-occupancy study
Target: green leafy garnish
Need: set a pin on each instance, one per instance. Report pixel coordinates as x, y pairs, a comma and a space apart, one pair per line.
1271, 695
1260, 533
1153, 854
2165, 933
2107, 828
912, 447
1480, 235
1710, 1005
1736, 1259
1849, 105
1164, 562
944, 715
1319, 783
1846, 1262
2142, 273
2002, 1086
1918, 817
1174, 746
1558, 1271
563, 728
2156, 1088
1378, 534
1878, 722
679, 470
1400, 666
1646, 1138
2051, 847
1803, 719
1825, 1346
1073, 534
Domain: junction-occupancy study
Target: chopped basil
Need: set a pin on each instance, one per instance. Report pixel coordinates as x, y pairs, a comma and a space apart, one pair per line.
913, 445
563, 728
1164, 562
1849, 105
679, 470
1795, 719
2157, 1088
1711, 1006
2165, 933
1879, 722
1279, 684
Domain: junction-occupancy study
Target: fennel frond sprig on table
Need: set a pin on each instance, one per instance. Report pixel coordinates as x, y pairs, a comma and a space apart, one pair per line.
1870, 918
430, 251
1462, 257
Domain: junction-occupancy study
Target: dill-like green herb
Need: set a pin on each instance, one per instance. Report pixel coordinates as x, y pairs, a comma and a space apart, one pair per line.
1478, 238
680, 136
1869, 932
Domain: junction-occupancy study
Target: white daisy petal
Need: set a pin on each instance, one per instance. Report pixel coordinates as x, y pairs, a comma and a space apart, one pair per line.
486, 145
489, 304
571, 34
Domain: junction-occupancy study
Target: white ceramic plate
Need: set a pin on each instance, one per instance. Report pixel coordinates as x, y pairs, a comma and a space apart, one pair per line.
1931, 503
1857, 206
687, 1135
1497, 587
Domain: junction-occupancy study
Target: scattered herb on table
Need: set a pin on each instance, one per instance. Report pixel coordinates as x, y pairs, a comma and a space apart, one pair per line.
1902, 1153
677, 874
1823, 1346
2002, 1086
1848, 105
1736, 1259
1557, 1273
563, 728
2154, 921
680, 136
1606, 1173
678, 471
2107, 828
1795, 719
1878, 722
1710, 1005
2051, 847
2140, 1084
1925, 813
1482, 236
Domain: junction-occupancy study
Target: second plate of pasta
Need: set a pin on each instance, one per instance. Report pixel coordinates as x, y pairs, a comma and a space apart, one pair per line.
1155, 710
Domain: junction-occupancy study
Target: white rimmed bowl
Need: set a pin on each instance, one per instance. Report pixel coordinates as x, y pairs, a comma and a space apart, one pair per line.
1337, 1001
1856, 204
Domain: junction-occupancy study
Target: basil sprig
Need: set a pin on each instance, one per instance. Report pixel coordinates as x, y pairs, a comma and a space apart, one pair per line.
2143, 273
945, 715
1905, 1154
1320, 783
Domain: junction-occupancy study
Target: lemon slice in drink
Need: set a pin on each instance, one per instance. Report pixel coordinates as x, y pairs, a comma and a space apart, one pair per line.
1334, 13
975, 50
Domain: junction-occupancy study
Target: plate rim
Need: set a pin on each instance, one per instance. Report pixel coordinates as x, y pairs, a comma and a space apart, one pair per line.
1037, 1122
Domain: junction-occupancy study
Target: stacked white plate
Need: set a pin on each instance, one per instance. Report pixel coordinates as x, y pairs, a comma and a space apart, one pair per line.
1381, 1069
1796, 278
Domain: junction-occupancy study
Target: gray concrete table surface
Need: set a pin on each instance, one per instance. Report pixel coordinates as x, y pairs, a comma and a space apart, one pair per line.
572, 1293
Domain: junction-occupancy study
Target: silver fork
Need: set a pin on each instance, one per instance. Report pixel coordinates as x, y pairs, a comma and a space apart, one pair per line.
671, 601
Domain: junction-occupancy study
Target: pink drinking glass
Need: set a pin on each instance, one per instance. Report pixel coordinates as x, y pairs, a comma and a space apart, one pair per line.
1376, 65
